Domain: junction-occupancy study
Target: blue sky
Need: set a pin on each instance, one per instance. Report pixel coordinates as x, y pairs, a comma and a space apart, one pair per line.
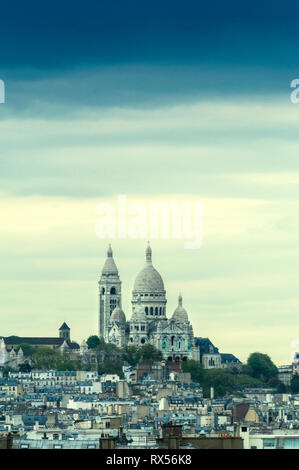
161, 99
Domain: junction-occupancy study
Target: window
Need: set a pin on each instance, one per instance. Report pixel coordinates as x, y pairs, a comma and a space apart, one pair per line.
243, 429
113, 303
112, 291
268, 443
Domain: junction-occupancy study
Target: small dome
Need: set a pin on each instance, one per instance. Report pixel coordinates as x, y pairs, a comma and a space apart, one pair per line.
109, 266
138, 313
118, 314
180, 315
148, 280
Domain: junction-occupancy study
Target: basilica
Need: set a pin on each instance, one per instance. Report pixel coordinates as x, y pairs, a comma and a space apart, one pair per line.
148, 322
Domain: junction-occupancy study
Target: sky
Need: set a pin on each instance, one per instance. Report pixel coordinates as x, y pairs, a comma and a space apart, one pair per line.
160, 101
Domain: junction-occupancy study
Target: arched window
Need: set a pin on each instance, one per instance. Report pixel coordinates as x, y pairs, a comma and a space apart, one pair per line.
156, 311
151, 310
112, 305
160, 311
172, 340
142, 341
146, 310
103, 291
113, 291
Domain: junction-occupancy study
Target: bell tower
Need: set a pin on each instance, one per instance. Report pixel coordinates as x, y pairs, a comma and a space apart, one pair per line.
109, 294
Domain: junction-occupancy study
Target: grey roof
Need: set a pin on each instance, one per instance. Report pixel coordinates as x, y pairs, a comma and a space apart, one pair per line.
229, 358
33, 340
180, 314
204, 344
109, 265
38, 341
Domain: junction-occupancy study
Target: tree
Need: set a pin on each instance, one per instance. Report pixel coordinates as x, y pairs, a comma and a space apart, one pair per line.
46, 357
67, 365
195, 368
149, 354
111, 367
261, 367
222, 381
93, 342
131, 354
26, 348
281, 388
6, 371
24, 367
295, 384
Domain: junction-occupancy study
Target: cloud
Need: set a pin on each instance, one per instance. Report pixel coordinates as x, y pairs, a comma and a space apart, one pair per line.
240, 288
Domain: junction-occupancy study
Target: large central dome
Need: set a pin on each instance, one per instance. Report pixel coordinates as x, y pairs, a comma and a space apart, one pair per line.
148, 280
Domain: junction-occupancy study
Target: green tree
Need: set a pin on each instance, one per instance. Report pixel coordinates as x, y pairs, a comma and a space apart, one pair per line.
131, 355
111, 367
195, 368
261, 367
281, 388
244, 380
6, 371
93, 342
66, 364
26, 348
149, 354
295, 384
25, 367
46, 357
222, 381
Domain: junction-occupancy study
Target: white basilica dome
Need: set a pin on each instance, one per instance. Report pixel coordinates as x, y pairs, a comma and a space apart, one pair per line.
180, 314
148, 280
118, 314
